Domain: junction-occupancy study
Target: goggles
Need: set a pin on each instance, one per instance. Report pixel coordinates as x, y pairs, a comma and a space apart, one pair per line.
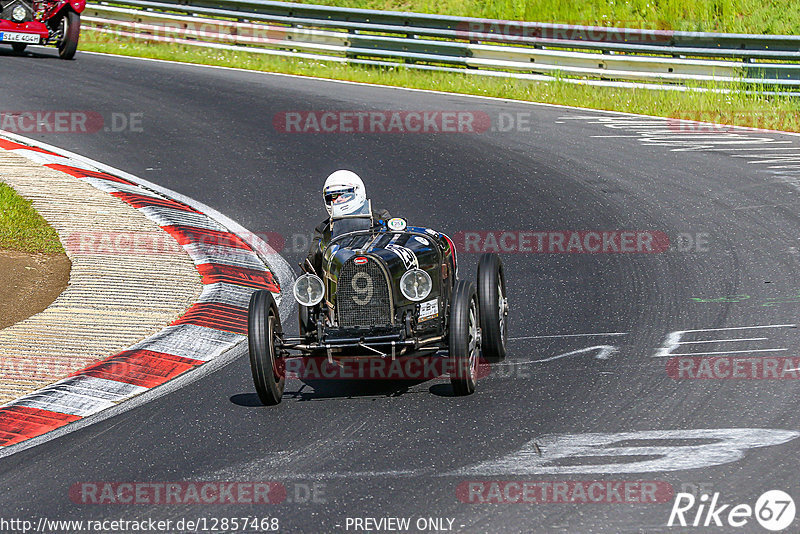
339, 196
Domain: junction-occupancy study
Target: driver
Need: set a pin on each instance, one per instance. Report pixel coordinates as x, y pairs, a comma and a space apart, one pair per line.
345, 191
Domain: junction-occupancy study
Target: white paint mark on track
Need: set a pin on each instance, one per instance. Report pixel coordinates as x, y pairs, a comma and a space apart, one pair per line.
675, 340
568, 335
603, 353
630, 452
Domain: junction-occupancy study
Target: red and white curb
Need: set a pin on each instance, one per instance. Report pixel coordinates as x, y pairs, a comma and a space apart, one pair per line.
214, 326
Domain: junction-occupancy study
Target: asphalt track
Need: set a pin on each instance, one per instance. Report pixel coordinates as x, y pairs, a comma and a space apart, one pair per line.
394, 449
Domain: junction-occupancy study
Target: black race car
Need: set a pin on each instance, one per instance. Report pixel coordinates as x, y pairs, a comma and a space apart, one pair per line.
388, 291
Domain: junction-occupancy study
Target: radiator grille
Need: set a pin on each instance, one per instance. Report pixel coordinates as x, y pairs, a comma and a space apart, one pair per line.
362, 295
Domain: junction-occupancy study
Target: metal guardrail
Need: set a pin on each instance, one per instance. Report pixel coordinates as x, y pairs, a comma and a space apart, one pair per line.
527, 50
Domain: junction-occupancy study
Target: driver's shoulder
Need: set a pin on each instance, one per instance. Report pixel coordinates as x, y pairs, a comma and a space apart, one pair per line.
380, 215
323, 226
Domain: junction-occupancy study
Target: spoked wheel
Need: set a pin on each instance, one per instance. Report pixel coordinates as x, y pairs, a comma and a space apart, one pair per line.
493, 307
465, 338
263, 331
69, 31
19, 47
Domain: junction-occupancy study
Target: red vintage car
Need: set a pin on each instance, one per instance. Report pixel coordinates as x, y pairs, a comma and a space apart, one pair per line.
41, 22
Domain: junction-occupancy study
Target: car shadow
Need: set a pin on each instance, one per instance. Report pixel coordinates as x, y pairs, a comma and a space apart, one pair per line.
317, 388
6, 51
312, 390
340, 389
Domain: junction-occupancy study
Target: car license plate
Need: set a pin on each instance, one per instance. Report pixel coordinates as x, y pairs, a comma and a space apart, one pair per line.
13, 37
429, 310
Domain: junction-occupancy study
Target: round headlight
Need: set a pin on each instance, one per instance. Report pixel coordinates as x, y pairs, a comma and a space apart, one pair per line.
309, 290
19, 13
416, 285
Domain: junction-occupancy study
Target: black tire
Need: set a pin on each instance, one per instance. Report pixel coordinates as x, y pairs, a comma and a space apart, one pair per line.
464, 338
19, 47
68, 44
263, 327
493, 306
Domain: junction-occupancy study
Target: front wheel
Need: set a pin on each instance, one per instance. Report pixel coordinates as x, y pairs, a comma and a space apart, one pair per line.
70, 31
493, 307
464, 339
19, 47
263, 331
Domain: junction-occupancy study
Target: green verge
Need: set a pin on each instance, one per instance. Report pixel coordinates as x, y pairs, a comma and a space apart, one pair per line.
735, 108
22, 228
736, 16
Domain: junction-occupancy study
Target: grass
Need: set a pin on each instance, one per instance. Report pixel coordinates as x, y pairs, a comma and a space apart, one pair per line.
22, 228
737, 108
739, 16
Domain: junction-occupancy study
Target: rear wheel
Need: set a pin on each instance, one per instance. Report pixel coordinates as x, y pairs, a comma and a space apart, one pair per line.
70, 31
263, 331
493, 307
19, 47
464, 339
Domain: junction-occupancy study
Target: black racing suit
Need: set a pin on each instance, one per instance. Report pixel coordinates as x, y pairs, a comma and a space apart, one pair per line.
322, 236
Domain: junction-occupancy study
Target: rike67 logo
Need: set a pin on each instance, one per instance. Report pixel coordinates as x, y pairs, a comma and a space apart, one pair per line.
774, 510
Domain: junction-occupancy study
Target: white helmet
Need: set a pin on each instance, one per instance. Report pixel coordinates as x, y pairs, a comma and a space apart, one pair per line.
345, 190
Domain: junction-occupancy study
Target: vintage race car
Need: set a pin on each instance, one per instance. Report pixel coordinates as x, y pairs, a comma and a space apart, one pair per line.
41, 22
389, 291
